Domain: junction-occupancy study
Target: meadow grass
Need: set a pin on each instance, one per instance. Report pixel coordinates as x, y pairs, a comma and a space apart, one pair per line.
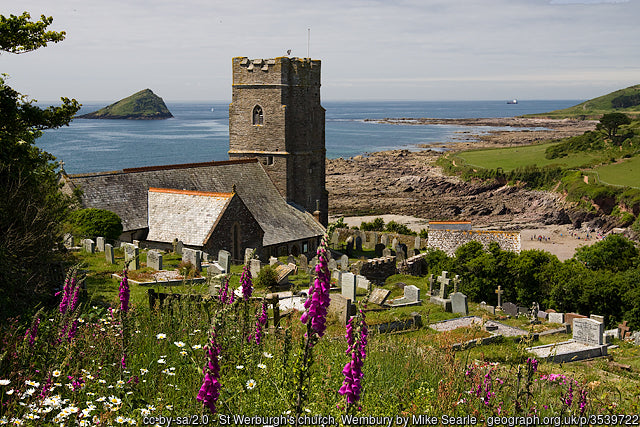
625, 173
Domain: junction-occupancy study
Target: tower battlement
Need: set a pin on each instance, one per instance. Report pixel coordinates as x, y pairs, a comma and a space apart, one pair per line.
276, 71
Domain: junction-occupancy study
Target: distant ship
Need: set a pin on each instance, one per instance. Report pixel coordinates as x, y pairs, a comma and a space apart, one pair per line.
513, 101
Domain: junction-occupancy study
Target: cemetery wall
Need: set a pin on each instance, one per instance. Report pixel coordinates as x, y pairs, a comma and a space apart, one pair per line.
377, 269
450, 240
345, 233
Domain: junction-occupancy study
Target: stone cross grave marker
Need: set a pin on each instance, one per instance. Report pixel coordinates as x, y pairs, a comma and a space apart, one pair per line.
588, 331
132, 255
273, 261
459, 303
154, 260
344, 263
456, 282
499, 291
444, 282
624, 330
108, 253
100, 244
348, 284
224, 259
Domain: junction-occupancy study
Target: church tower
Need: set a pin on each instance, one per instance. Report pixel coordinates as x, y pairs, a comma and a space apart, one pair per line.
276, 116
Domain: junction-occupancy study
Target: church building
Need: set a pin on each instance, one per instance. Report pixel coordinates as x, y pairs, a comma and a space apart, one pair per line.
269, 196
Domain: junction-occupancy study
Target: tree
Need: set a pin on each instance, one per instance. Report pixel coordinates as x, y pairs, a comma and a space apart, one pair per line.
614, 253
92, 223
32, 208
611, 122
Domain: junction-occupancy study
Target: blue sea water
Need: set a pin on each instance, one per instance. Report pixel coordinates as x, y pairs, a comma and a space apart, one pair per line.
199, 132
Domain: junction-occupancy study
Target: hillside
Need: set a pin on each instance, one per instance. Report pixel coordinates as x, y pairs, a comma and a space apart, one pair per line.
622, 101
143, 105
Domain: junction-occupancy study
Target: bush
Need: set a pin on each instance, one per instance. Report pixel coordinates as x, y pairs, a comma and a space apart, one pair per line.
375, 225
267, 278
91, 223
394, 227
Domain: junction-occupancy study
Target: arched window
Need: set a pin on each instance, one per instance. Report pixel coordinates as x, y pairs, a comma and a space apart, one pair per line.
258, 116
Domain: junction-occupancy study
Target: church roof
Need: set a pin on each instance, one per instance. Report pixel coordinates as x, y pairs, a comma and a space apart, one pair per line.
125, 193
185, 215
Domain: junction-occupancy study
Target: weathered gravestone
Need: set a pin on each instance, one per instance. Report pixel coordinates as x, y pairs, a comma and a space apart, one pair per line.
332, 264
248, 255
291, 259
372, 239
543, 315
179, 247
459, 303
343, 307
378, 250
89, 245
100, 244
430, 279
417, 243
384, 239
362, 282
588, 331
224, 259
154, 260
624, 330
358, 243
489, 308
108, 253
510, 308
394, 243
254, 267
344, 263
556, 318
273, 261
597, 318
412, 293
283, 271
348, 284
379, 296
401, 255
304, 264
132, 256
386, 252
336, 275
335, 239
349, 243
193, 256
570, 317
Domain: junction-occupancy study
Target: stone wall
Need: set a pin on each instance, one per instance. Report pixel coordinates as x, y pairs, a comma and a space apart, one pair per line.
377, 269
450, 240
370, 238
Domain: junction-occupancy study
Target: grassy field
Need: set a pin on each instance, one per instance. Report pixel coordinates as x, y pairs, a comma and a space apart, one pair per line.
514, 157
625, 173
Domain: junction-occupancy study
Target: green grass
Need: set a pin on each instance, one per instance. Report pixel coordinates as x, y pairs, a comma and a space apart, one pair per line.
626, 173
514, 157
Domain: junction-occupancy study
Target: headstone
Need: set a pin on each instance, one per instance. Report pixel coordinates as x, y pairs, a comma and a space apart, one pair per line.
417, 243
67, 240
335, 239
332, 264
248, 255
386, 252
510, 308
444, 282
362, 282
179, 247
342, 306
272, 261
344, 263
456, 282
372, 239
192, 256
379, 296
348, 284
224, 259
597, 318
394, 243
304, 265
254, 267
430, 279
613, 333
543, 315
154, 260
89, 246
358, 243
402, 247
100, 244
349, 243
556, 318
624, 330
488, 308
378, 250
459, 303
313, 262
588, 331
205, 256
108, 253
283, 272
291, 259
337, 276
412, 293
570, 317
132, 256
384, 239
499, 291
401, 256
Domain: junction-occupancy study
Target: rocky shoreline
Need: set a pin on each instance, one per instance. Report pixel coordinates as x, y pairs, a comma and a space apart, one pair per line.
404, 182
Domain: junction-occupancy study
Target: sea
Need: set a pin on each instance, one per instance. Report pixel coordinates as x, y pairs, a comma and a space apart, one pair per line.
199, 131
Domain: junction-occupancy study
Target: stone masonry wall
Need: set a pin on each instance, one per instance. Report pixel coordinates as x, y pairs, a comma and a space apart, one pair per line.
450, 240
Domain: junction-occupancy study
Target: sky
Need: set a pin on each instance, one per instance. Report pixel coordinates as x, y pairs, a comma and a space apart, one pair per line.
370, 50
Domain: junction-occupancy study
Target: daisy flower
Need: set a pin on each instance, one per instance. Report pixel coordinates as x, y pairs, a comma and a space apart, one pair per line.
161, 336
251, 384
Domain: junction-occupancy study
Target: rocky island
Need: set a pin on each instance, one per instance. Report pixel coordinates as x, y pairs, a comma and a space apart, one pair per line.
143, 105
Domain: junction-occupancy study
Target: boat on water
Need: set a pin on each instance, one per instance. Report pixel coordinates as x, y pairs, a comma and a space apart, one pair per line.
513, 101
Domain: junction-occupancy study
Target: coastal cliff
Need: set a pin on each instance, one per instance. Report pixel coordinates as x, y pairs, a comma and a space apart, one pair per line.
143, 105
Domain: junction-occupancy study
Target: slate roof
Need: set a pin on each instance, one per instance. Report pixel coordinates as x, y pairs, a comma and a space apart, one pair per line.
185, 215
125, 193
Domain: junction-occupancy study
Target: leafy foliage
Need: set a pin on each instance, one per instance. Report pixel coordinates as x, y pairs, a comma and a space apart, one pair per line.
395, 227
92, 223
610, 123
18, 34
267, 278
614, 253
626, 101
376, 225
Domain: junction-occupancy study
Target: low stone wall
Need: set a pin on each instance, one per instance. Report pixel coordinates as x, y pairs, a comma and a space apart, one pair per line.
450, 240
377, 269
371, 238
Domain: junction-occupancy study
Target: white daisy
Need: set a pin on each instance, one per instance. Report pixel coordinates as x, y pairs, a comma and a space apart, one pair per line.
251, 384
161, 336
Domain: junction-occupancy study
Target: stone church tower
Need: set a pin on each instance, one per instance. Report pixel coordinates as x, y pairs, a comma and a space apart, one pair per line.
276, 116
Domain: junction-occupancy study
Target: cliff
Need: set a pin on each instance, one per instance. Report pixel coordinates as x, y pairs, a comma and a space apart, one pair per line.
143, 105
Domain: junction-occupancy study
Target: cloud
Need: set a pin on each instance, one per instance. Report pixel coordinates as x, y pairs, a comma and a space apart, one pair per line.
587, 1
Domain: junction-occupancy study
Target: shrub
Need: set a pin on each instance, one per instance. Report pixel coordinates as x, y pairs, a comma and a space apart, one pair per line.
92, 223
375, 225
267, 278
394, 227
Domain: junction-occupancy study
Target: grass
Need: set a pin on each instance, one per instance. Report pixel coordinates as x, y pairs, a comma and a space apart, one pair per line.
517, 157
625, 173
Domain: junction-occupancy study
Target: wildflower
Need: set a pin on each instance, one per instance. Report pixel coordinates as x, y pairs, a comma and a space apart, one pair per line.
179, 344
357, 342
114, 400
568, 398
32, 332
66, 293
183, 353
5, 382
143, 371
124, 293
196, 347
251, 384
582, 403
210, 390
533, 363
240, 367
247, 285
162, 361
261, 323
318, 302
224, 290
32, 383
262, 366
161, 336
267, 355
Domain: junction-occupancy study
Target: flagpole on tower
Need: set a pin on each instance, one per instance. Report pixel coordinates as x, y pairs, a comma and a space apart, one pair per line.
308, 41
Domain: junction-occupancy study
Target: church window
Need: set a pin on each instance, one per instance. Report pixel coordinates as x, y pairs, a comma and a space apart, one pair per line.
258, 116
267, 161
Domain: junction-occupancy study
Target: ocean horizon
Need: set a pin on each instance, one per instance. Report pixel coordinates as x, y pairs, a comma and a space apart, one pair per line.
199, 131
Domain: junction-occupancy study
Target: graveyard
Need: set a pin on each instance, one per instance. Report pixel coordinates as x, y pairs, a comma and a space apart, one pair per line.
430, 348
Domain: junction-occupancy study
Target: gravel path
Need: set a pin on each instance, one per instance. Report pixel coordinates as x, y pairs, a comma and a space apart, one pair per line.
463, 322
